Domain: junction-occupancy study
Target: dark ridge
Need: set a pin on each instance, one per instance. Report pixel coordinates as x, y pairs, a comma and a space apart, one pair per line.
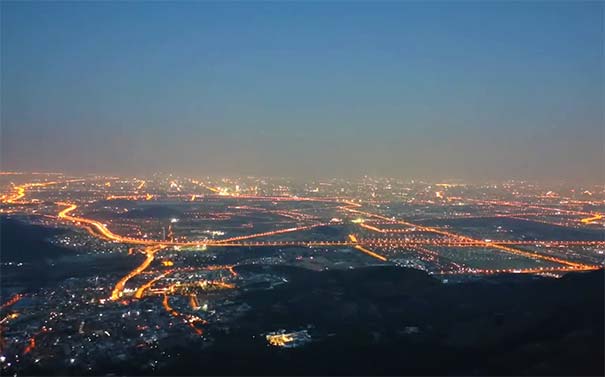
19, 240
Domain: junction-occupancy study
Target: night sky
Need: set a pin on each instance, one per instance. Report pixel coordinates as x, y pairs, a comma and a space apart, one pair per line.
408, 90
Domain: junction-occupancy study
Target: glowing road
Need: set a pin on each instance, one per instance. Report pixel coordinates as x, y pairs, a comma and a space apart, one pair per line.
117, 292
449, 239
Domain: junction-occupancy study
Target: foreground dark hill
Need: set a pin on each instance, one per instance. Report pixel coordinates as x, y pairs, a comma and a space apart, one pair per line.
393, 321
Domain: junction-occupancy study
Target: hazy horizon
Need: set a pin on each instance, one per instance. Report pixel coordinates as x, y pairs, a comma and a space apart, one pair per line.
406, 90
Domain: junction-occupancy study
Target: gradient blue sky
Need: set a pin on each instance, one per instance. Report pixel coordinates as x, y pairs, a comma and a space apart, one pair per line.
434, 90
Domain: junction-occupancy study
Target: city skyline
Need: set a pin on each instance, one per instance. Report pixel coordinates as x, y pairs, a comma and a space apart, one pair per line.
408, 90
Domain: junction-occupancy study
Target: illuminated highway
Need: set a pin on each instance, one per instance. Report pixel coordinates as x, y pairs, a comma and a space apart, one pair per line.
411, 241
453, 239
141, 291
21, 190
12, 301
589, 220
150, 251
483, 243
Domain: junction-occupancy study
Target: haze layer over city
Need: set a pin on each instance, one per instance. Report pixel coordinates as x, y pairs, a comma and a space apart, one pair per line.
302, 188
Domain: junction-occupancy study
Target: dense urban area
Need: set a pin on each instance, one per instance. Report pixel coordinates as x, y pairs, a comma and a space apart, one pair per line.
99, 271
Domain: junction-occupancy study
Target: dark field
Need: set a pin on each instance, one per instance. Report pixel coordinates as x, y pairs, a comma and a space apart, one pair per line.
43, 264
529, 230
393, 321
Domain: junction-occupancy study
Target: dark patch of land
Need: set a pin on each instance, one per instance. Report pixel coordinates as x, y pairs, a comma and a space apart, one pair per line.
394, 321
21, 242
529, 230
44, 264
